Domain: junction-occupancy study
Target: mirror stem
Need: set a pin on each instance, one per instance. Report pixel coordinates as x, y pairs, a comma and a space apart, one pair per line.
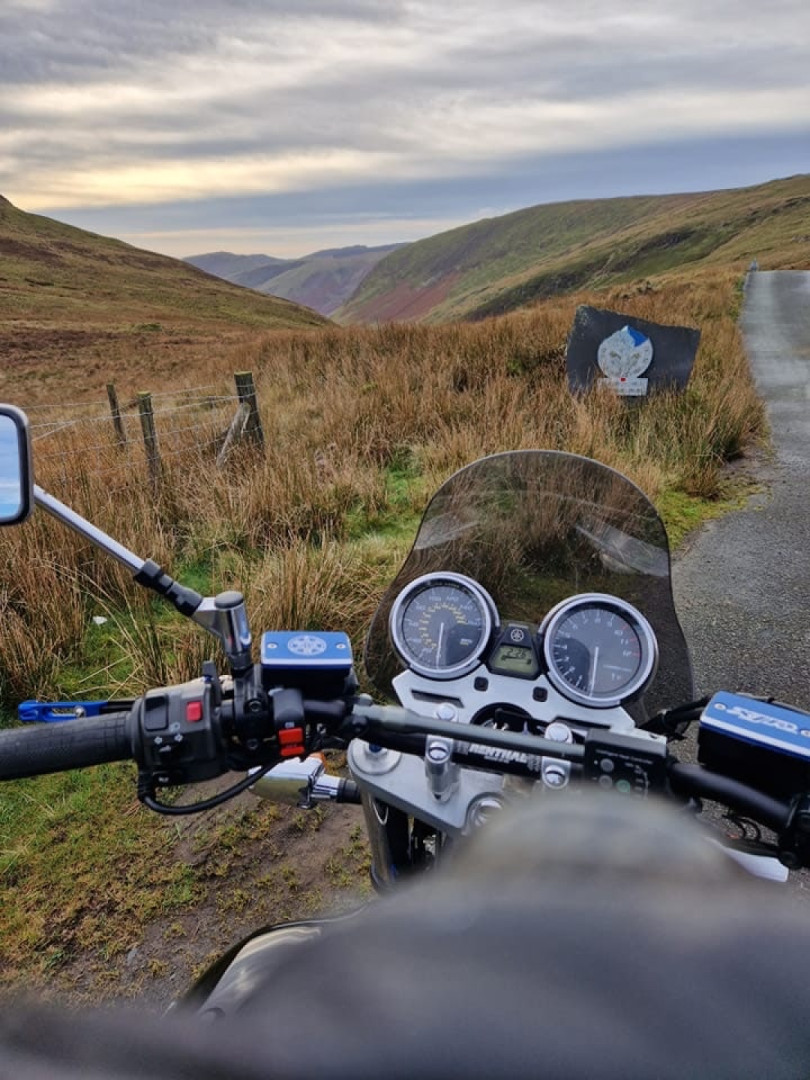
76, 522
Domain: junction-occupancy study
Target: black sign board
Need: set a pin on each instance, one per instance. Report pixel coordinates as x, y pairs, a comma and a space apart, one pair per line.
627, 355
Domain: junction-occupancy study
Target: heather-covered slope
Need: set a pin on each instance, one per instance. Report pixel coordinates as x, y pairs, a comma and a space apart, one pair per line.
85, 309
500, 264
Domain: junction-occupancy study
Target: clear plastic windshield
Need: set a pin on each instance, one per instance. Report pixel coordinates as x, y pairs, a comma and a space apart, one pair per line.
535, 527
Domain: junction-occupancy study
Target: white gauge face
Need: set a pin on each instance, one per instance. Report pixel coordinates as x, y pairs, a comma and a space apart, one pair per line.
441, 624
600, 651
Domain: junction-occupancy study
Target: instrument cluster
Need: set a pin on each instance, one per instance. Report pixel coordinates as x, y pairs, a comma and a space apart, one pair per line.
595, 649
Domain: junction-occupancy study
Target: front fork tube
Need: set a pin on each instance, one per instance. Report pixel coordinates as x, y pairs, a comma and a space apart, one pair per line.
399, 845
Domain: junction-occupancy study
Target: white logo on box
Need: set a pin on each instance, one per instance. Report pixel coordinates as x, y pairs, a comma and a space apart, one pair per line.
307, 645
623, 357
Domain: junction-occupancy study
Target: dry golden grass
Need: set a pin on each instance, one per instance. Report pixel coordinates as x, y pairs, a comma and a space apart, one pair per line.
360, 426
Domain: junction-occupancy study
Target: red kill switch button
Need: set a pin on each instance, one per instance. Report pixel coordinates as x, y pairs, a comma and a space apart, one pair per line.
194, 711
291, 736
292, 742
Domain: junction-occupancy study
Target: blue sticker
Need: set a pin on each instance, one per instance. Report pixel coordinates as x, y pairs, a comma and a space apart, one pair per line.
759, 723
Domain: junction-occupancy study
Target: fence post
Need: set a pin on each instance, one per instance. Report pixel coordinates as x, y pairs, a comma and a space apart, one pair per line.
149, 436
116, 415
234, 432
246, 392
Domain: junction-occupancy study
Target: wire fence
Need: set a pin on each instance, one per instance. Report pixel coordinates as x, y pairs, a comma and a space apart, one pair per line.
77, 443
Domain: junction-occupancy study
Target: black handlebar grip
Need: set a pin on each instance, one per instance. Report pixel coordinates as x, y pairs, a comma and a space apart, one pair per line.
696, 780
67, 744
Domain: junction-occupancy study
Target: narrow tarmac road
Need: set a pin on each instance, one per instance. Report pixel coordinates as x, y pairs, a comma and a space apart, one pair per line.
742, 587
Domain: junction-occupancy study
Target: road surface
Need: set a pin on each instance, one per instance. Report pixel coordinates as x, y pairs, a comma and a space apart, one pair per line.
742, 587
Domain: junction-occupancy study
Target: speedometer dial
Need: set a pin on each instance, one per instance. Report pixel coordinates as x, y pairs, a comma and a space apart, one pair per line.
600, 650
441, 624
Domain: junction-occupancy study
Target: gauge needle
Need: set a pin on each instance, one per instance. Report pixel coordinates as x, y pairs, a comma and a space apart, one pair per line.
439, 646
593, 669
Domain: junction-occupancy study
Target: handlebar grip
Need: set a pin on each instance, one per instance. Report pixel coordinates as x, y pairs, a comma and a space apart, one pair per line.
74, 744
695, 780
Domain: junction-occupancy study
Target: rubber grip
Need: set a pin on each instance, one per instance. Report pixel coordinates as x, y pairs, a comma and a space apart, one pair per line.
696, 780
74, 744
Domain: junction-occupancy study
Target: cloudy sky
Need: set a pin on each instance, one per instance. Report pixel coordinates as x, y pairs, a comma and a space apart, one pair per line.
284, 126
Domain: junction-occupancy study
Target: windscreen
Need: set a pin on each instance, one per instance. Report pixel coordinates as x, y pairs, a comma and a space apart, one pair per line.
535, 527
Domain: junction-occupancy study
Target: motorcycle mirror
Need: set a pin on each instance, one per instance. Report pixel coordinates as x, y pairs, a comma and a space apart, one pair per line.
16, 471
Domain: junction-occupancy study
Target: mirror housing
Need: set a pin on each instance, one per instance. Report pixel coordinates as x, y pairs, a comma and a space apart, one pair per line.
16, 469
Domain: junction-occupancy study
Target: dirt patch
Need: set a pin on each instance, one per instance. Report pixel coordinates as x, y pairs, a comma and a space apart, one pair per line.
248, 865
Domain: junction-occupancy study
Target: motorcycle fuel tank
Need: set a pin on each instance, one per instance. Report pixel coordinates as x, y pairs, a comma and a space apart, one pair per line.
230, 982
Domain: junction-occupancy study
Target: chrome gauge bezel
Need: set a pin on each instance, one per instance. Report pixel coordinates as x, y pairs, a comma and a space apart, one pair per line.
482, 599
644, 631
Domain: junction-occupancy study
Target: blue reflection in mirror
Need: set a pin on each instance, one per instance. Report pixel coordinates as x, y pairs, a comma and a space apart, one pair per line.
11, 487
16, 479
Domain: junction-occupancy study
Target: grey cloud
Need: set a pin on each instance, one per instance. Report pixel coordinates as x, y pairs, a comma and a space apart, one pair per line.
78, 39
85, 39
683, 165
451, 59
686, 165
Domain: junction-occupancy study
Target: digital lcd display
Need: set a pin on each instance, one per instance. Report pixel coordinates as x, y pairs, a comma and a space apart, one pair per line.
514, 660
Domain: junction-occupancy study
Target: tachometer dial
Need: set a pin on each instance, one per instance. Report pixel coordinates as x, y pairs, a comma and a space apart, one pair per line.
600, 650
441, 624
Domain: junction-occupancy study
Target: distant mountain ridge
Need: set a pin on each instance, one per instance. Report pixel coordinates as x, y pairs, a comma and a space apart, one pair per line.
500, 264
323, 280
223, 263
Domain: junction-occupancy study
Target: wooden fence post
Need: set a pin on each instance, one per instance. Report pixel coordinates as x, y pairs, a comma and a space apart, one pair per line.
234, 432
149, 436
118, 423
246, 392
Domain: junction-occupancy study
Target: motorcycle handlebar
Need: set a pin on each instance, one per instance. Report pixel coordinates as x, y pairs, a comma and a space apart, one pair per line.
116, 736
395, 728
698, 781
76, 744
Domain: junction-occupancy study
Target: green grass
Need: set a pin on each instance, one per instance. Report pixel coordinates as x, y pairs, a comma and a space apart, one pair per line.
683, 513
60, 837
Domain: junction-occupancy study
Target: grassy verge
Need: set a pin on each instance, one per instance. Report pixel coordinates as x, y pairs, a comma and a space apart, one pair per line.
61, 836
683, 513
